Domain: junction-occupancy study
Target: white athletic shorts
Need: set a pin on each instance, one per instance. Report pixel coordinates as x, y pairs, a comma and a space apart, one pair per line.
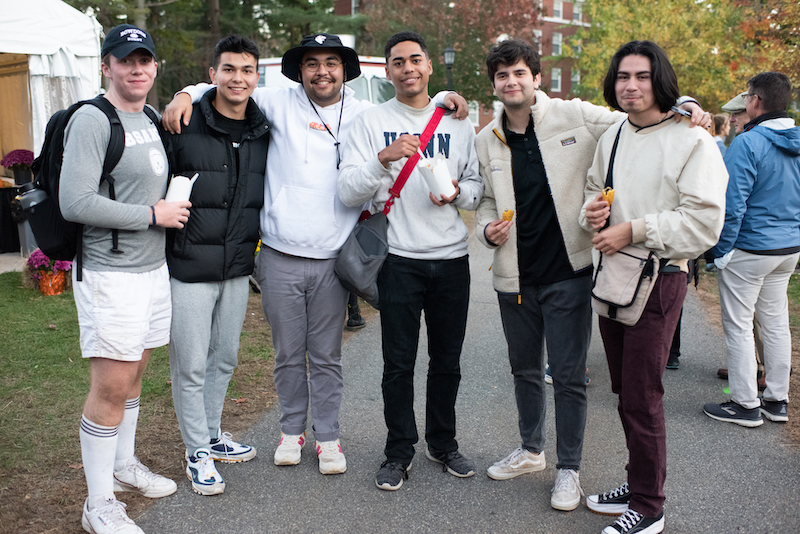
122, 314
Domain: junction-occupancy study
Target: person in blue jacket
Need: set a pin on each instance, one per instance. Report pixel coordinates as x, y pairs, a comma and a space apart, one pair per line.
757, 252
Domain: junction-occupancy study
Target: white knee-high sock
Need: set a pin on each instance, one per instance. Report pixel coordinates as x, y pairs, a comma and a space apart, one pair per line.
127, 434
98, 447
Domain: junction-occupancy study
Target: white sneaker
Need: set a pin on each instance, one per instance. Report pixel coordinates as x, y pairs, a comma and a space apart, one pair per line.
331, 457
567, 492
205, 478
517, 463
110, 518
135, 476
288, 451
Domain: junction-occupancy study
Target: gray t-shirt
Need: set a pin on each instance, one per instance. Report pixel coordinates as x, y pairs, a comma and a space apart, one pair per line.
140, 180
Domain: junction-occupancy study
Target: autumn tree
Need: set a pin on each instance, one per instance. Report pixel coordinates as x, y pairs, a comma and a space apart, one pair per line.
471, 27
704, 40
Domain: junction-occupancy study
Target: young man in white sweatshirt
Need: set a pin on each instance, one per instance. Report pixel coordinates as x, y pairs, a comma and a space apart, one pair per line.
427, 267
303, 226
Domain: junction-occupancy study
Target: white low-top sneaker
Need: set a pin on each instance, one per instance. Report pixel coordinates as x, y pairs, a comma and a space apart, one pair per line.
517, 463
136, 477
567, 492
288, 451
331, 457
110, 518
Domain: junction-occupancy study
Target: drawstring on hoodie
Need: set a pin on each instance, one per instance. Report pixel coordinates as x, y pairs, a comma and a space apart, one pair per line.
336, 142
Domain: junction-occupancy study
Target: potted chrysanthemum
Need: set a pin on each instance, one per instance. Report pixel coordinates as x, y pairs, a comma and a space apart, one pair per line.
51, 275
20, 162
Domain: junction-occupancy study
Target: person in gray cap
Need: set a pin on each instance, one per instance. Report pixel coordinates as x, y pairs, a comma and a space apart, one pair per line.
303, 226
123, 300
737, 108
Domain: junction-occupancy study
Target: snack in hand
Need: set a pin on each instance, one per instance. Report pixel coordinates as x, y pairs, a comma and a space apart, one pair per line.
608, 195
508, 215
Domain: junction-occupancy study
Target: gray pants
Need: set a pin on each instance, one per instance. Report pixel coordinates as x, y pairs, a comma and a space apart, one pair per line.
305, 305
559, 314
207, 320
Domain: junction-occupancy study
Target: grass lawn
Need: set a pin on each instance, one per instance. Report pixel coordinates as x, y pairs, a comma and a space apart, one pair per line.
43, 387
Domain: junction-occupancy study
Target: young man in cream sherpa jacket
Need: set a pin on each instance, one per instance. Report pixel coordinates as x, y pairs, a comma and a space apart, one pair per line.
533, 160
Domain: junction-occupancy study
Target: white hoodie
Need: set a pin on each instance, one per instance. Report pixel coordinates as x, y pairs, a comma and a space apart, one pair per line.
302, 213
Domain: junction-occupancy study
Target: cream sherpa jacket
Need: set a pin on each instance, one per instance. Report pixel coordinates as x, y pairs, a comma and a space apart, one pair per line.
567, 131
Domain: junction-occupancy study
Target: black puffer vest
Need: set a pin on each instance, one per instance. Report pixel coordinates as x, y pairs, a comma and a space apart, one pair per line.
219, 240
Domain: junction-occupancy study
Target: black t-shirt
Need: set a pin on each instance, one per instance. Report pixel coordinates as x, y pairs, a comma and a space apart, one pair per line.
542, 255
234, 127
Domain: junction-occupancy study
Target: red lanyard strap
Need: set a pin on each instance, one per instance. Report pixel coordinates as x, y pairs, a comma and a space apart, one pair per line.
394, 192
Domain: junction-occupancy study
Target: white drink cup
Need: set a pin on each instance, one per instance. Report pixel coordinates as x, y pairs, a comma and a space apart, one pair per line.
180, 188
437, 176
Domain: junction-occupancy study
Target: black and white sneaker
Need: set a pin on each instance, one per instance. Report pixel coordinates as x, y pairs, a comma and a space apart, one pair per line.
615, 502
635, 523
453, 462
775, 410
733, 412
391, 475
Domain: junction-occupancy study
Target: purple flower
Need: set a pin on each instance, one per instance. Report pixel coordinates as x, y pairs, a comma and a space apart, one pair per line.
17, 160
38, 261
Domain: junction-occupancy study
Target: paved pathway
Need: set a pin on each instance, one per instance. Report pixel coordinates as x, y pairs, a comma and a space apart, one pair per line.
722, 478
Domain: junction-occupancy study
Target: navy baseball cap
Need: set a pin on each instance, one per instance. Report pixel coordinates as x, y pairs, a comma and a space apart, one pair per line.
124, 39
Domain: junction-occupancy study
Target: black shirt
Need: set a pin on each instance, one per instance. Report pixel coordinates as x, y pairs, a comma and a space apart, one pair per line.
542, 255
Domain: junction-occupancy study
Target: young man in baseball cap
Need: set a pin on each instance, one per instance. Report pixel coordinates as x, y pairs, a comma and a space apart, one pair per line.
123, 301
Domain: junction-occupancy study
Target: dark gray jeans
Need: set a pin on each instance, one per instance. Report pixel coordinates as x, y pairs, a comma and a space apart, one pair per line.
559, 313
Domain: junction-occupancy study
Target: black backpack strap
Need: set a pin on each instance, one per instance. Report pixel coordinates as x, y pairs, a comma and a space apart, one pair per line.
165, 140
116, 145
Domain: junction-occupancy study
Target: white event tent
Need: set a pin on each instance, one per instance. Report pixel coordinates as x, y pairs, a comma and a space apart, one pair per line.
49, 59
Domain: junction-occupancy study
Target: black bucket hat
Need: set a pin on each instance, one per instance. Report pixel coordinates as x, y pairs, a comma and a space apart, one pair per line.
290, 65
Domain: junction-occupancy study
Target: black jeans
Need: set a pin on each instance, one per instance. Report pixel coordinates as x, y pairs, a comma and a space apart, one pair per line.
441, 288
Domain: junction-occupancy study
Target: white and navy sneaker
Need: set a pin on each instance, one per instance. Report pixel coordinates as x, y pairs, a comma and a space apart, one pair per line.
110, 518
733, 412
135, 476
632, 522
205, 478
224, 449
615, 502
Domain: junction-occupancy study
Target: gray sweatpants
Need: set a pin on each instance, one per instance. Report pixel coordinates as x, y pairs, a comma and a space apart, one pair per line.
305, 305
207, 320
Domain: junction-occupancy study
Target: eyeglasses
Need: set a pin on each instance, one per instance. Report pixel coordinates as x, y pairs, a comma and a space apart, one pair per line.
748, 97
313, 65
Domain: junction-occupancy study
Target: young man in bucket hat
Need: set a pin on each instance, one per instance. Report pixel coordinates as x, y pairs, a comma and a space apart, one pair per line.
303, 226
123, 301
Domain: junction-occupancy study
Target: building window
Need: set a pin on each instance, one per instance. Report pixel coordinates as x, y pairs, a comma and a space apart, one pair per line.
577, 11
537, 37
575, 79
555, 80
558, 10
557, 38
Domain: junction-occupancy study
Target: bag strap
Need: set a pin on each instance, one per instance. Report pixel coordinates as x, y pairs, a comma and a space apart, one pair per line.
394, 192
610, 172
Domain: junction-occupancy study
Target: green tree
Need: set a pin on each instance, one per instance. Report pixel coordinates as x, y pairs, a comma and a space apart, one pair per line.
288, 21
471, 27
706, 42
